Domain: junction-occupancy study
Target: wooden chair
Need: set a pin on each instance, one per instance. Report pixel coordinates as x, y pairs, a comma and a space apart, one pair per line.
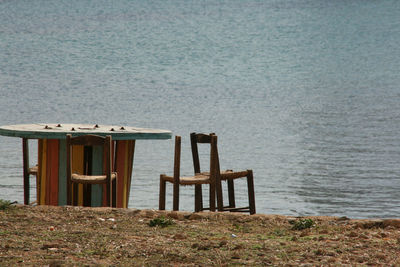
195, 180
109, 178
228, 175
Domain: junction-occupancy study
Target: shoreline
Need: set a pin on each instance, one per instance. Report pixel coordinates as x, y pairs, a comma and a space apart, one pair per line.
50, 235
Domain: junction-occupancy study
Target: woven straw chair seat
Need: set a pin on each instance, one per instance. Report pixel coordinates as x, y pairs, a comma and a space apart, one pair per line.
190, 180
91, 179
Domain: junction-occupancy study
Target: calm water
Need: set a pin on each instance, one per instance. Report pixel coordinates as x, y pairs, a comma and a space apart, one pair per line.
304, 92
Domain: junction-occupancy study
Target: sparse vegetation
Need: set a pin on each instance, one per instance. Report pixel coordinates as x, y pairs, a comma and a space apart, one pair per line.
76, 236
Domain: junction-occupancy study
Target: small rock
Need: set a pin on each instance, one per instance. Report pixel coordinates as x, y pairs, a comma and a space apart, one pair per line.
176, 215
324, 231
148, 213
352, 234
179, 236
363, 236
196, 216
304, 233
240, 246
235, 255
206, 246
223, 243
383, 234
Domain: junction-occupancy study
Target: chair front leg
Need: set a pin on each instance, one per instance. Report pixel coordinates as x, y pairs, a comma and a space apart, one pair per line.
176, 197
218, 192
198, 198
161, 200
212, 196
111, 195
231, 193
69, 193
114, 191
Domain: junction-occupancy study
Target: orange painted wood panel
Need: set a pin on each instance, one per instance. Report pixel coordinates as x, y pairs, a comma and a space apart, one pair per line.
123, 166
52, 171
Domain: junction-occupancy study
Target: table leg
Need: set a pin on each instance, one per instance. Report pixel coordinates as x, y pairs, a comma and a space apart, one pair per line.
25, 157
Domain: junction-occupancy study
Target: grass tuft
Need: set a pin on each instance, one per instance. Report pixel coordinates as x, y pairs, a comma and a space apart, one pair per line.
161, 221
4, 204
303, 224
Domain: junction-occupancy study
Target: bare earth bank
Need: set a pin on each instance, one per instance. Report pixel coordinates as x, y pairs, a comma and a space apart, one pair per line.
45, 235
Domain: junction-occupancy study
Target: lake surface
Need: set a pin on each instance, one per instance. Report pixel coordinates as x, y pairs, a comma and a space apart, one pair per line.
304, 92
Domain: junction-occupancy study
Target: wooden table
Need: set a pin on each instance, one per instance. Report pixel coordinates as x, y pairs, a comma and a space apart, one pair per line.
51, 178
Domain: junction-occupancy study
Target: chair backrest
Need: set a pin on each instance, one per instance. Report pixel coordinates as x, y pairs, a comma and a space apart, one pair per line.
201, 138
90, 141
210, 139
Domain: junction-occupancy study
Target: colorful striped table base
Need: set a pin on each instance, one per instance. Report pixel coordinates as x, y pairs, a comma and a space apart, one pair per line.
52, 179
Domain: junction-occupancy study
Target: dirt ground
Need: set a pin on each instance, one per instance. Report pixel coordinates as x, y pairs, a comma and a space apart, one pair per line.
44, 235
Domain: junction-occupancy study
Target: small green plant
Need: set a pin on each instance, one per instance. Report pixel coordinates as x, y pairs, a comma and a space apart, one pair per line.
302, 224
241, 228
4, 204
279, 232
161, 221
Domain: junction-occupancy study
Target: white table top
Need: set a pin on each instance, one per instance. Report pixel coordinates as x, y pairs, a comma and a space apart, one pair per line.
60, 130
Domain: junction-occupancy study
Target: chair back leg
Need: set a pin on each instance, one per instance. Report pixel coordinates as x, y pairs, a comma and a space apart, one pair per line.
25, 155
250, 188
177, 166
87, 193
220, 198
